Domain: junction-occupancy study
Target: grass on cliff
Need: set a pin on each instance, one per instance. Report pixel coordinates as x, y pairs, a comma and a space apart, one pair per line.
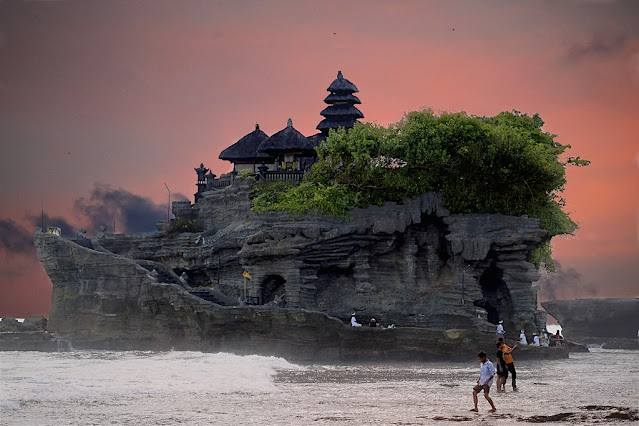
180, 226
504, 164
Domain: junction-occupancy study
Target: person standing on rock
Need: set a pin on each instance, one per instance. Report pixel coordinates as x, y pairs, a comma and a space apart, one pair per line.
510, 363
500, 330
487, 372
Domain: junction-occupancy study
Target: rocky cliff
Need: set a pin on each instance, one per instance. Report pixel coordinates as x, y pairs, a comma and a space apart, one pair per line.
412, 264
612, 323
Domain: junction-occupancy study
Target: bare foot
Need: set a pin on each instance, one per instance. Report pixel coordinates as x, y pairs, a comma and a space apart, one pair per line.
492, 410
474, 409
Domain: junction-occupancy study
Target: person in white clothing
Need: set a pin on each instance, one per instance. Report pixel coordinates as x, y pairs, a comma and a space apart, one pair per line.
522, 338
485, 381
500, 329
354, 322
535, 339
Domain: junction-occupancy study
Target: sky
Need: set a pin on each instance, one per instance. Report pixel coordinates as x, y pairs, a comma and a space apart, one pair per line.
102, 103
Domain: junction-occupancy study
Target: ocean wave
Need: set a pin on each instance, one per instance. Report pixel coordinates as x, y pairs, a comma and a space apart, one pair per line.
36, 376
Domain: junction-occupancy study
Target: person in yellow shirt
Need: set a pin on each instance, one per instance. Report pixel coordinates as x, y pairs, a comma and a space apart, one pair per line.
510, 363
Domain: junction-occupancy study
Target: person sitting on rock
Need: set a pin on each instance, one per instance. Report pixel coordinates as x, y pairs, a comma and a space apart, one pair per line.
522, 338
354, 322
373, 323
535, 339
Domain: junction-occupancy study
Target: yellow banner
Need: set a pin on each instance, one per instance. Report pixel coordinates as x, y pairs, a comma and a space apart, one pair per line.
247, 275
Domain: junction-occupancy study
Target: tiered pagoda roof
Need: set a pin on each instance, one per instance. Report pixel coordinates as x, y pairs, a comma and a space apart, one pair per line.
341, 111
286, 140
246, 149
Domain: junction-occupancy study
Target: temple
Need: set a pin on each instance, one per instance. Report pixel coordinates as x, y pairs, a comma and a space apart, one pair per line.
287, 154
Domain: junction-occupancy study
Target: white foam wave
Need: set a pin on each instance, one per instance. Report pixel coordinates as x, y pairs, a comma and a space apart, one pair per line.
35, 376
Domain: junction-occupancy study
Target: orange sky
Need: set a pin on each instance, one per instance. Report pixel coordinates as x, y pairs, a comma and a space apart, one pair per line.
134, 94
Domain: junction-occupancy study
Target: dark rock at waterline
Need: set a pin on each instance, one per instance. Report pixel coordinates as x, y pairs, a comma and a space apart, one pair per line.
9, 324
611, 323
38, 323
31, 341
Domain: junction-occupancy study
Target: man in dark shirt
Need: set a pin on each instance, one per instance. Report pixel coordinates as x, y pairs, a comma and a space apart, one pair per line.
502, 370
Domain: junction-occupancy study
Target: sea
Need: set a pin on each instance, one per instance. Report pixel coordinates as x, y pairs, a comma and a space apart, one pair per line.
194, 388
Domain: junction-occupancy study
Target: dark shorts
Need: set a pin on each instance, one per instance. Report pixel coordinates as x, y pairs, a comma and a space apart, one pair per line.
502, 373
478, 389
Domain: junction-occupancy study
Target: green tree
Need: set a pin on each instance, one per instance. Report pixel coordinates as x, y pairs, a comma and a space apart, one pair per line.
504, 164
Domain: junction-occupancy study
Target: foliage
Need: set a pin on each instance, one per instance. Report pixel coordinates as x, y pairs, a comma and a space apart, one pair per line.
504, 164
179, 226
307, 197
245, 173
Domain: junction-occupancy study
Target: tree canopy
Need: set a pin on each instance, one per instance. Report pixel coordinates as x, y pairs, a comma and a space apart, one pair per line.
504, 164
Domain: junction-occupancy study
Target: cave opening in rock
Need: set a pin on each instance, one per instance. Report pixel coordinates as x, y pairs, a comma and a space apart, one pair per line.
496, 298
273, 288
437, 230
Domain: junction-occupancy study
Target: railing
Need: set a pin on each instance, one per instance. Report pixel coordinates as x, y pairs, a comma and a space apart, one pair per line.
220, 183
288, 175
271, 176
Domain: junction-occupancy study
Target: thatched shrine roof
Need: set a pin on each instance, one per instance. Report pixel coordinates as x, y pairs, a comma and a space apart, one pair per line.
245, 150
334, 123
341, 111
287, 140
337, 98
340, 84
316, 139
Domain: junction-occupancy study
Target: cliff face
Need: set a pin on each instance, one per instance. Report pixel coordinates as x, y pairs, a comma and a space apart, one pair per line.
411, 264
597, 320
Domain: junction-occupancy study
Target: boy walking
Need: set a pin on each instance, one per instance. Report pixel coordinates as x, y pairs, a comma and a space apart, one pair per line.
485, 381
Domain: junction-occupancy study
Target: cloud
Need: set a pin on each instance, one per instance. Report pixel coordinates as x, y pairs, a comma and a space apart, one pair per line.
565, 284
14, 239
66, 228
181, 197
130, 212
597, 47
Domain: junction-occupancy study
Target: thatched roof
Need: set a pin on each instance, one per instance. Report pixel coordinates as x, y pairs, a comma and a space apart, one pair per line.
316, 139
287, 140
346, 98
245, 150
334, 123
340, 84
341, 111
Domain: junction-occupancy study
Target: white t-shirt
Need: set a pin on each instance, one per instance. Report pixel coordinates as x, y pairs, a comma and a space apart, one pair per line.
536, 340
500, 329
354, 322
523, 340
487, 370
